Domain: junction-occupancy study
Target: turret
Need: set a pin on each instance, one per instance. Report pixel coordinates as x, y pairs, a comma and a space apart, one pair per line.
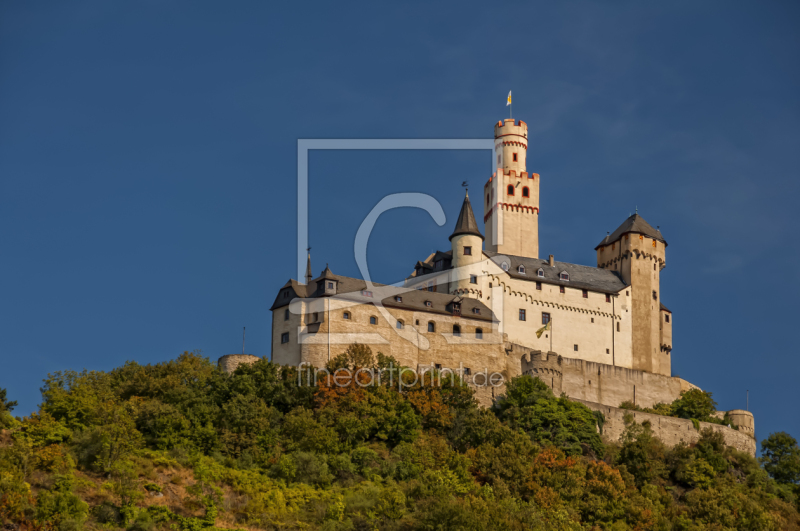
637, 252
467, 248
511, 197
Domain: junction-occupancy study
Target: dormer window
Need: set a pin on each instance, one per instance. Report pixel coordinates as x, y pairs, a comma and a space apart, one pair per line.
521, 270
504, 265
564, 276
285, 294
476, 311
438, 264
398, 299
456, 308
428, 304
330, 285
540, 273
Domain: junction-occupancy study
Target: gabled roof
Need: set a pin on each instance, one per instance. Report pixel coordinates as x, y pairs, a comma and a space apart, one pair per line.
352, 289
580, 276
466, 221
637, 224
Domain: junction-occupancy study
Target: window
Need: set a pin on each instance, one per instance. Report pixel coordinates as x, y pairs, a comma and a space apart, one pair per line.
477, 311
456, 308
286, 314
473, 279
617, 326
456, 330
585, 294
510, 189
428, 304
525, 192
655, 295
437, 264
467, 371
398, 299
478, 333
330, 285
399, 325
346, 316
487, 199
592, 319
504, 265
627, 293
467, 251
540, 273
437, 366
431, 326
608, 297
521, 270
654, 266
539, 286
666, 317
285, 337
608, 351
545, 318
564, 276
285, 294
562, 289
365, 293
576, 348
373, 320
521, 314
417, 322
515, 157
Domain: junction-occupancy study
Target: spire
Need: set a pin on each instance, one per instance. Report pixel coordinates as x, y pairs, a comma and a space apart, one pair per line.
466, 221
309, 276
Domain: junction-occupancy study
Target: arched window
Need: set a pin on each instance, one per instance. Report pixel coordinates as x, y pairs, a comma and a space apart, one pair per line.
521, 270
431, 326
504, 265
399, 325
373, 320
478, 333
540, 272
457, 330
510, 189
525, 192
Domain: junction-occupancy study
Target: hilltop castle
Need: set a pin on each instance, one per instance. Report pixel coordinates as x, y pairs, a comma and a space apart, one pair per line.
476, 306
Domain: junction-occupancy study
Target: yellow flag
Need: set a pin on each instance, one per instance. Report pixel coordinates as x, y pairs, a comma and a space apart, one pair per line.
509, 99
542, 329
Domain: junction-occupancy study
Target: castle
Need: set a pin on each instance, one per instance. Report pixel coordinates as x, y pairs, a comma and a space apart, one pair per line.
604, 336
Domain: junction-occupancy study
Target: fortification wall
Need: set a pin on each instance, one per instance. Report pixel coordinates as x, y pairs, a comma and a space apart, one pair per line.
599, 382
229, 362
670, 430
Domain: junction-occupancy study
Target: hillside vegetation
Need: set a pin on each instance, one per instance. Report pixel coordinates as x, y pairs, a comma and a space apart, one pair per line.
182, 445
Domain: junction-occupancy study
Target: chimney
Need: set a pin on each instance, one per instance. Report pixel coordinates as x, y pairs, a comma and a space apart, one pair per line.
552, 262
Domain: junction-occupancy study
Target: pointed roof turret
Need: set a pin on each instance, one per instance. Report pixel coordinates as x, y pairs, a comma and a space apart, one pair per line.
466, 221
636, 224
309, 276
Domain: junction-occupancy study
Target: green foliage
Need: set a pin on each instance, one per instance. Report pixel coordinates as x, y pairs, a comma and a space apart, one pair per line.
6, 406
781, 457
181, 445
530, 405
694, 404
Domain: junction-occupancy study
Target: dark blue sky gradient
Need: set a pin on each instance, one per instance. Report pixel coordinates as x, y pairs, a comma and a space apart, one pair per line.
148, 165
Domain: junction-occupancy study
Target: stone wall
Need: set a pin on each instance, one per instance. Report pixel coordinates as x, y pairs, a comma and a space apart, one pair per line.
229, 362
669, 429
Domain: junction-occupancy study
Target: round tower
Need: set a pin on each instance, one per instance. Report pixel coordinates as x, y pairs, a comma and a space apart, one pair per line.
511, 197
466, 244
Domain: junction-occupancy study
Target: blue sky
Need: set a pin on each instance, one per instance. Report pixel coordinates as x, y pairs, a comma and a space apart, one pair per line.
148, 164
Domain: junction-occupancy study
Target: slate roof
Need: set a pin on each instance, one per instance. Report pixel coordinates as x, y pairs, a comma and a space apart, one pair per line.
466, 221
580, 276
664, 308
351, 289
636, 224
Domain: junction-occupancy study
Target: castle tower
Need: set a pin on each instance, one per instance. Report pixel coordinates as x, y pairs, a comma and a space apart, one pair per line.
511, 197
638, 251
467, 247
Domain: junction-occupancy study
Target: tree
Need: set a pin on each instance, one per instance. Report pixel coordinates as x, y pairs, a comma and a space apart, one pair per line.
356, 356
781, 457
6, 406
694, 404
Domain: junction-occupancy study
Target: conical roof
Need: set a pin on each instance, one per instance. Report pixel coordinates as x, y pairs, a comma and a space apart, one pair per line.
466, 221
637, 224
